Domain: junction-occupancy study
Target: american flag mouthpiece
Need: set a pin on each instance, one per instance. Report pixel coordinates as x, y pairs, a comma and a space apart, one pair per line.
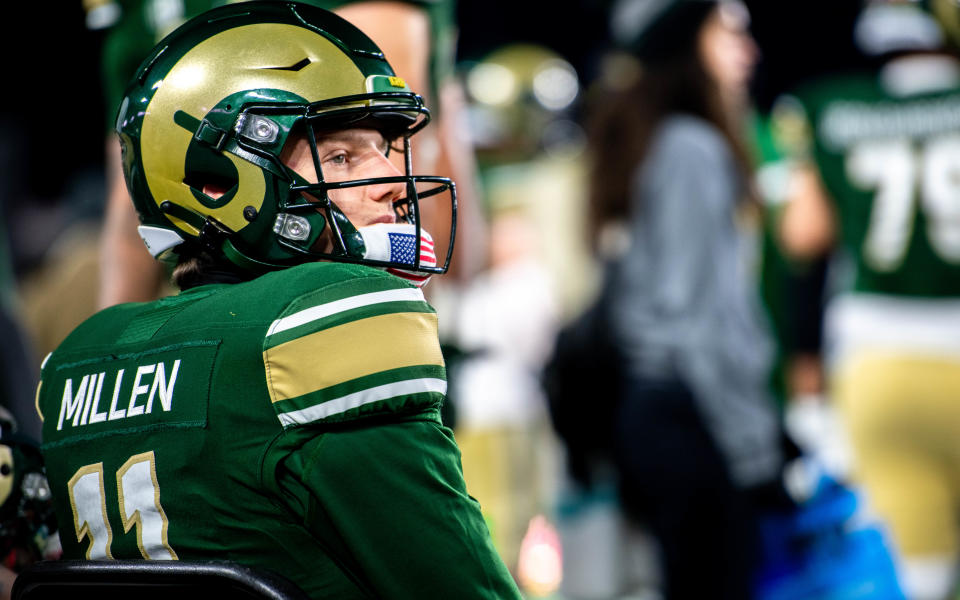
397, 243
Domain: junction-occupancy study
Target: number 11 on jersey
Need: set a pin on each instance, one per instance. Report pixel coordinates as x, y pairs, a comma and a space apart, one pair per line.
139, 495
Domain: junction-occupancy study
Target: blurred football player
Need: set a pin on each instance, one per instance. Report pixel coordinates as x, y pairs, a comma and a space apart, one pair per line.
878, 181
283, 410
505, 318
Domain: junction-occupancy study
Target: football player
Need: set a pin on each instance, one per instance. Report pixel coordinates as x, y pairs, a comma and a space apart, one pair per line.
282, 411
878, 180
418, 35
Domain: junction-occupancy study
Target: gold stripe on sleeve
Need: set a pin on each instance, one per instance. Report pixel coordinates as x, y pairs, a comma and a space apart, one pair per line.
339, 354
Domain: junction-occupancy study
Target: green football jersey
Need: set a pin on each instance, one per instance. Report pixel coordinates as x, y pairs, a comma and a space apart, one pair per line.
289, 423
891, 164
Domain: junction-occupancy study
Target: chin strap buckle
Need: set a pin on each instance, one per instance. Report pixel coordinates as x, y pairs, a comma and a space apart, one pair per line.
213, 234
211, 135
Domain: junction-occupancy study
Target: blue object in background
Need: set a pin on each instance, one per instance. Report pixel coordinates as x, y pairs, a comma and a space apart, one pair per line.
826, 550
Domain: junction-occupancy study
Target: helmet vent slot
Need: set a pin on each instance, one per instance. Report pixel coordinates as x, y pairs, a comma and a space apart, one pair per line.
294, 67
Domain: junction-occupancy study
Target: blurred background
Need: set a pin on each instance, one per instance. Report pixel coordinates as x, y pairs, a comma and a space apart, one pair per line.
529, 72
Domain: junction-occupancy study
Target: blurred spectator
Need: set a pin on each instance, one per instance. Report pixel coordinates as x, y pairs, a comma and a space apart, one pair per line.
697, 441
876, 183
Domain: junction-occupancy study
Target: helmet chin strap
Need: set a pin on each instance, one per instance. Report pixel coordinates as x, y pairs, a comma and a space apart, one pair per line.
398, 243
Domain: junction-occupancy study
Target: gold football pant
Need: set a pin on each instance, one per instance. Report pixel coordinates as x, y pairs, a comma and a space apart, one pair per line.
903, 415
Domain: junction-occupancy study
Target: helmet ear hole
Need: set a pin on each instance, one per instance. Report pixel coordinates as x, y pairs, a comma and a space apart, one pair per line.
206, 171
215, 190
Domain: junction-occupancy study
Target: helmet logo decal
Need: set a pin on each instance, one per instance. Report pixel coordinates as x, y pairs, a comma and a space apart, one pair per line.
385, 83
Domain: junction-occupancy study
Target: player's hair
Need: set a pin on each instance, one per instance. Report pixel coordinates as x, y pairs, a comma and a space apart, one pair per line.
622, 122
196, 266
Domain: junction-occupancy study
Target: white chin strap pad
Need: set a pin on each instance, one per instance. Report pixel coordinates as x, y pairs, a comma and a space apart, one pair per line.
158, 240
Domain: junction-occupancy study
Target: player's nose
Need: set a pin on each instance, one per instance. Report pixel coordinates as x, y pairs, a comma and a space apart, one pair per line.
387, 191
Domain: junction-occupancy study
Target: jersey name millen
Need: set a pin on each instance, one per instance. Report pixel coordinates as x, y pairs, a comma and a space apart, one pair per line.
135, 391
132, 394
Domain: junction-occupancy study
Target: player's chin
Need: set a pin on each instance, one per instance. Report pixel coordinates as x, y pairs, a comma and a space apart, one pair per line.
388, 219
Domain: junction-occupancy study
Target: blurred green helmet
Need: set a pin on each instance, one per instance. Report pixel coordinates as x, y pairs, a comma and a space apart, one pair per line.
521, 95
214, 104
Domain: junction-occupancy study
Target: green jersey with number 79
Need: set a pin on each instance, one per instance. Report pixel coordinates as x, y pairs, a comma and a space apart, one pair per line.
890, 161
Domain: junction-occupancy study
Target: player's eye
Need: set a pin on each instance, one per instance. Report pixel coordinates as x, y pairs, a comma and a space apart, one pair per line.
340, 158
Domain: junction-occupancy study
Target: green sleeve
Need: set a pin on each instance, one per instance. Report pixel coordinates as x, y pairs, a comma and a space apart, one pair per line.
390, 499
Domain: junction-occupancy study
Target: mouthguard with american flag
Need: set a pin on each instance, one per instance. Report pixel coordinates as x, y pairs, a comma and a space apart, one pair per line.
397, 243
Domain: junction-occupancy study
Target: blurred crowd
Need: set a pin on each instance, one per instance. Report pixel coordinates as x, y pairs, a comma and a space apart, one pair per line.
703, 334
